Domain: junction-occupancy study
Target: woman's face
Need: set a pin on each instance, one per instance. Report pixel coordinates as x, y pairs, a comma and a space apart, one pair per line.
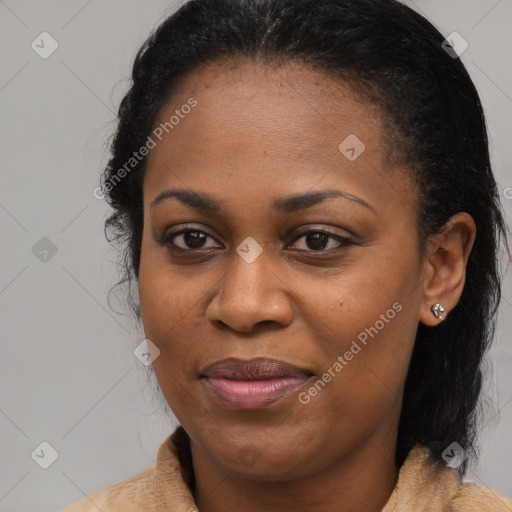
247, 281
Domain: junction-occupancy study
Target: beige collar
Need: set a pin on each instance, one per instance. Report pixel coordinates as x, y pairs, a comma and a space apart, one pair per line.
422, 486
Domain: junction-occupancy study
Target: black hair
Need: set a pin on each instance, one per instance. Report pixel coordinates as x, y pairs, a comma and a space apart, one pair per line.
436, 127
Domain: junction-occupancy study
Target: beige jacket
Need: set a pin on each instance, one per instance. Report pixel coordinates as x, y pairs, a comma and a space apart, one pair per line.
421, 487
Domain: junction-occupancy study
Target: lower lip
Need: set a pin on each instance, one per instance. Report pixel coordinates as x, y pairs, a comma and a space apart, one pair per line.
253, 394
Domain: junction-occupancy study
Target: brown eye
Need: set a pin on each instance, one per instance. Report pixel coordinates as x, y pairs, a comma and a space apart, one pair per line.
319, 240
186, 240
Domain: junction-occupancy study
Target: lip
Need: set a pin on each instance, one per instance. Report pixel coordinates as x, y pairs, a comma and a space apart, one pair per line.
253, 384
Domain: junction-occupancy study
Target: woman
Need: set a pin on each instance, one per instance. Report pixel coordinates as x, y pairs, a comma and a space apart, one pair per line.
310, 216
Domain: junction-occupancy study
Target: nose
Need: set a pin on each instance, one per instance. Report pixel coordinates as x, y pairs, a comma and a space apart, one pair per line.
251, 296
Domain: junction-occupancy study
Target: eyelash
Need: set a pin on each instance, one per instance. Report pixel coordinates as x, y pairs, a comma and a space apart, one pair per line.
167, 240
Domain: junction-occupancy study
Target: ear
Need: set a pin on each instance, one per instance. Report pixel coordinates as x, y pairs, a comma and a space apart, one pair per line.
444, 267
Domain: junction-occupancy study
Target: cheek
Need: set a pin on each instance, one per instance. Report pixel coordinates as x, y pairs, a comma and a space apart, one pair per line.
361, 381
170, 297
166, 306
172, 305
365, 322
169, 322
366, 345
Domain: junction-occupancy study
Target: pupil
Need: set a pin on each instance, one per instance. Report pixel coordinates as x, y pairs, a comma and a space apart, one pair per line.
194, 239
319, 240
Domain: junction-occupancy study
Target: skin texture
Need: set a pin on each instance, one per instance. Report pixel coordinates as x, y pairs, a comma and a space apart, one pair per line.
260, 133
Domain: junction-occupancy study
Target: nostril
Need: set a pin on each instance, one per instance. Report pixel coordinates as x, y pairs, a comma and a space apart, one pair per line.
264, 323
220, 324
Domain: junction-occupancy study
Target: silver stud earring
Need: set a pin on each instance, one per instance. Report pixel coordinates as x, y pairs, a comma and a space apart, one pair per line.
437, 310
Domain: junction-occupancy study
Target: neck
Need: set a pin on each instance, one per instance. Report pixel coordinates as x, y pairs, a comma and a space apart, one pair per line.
362, 480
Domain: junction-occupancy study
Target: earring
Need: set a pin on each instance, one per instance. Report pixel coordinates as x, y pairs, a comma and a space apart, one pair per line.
437, 310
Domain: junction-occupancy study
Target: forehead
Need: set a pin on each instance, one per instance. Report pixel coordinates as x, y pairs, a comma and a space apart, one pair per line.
276, 124
292, 101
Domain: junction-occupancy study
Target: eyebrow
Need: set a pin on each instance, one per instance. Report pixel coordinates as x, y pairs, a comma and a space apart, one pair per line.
287, 204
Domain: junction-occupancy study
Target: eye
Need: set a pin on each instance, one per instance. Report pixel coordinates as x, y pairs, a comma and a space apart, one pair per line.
319, 240
186, 240
190, 240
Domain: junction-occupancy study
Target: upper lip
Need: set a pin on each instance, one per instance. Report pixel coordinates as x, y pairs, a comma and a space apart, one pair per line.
259, 368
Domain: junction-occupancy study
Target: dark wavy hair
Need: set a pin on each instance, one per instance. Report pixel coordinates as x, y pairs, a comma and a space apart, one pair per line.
435, 124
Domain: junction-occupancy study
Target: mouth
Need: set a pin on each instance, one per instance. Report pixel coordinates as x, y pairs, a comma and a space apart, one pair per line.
254, 384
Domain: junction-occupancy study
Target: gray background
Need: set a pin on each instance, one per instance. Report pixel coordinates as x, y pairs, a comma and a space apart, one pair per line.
68, 375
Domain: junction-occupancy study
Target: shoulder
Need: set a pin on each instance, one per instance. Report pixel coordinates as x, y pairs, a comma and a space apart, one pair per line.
471, 497
123, 496
163, 486
426, 485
